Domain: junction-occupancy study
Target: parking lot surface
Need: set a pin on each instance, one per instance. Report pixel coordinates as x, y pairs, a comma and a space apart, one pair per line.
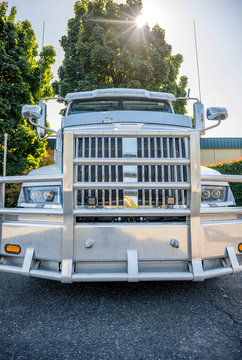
41, 319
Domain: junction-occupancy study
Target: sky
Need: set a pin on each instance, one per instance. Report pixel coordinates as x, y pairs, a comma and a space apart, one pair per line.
218, 31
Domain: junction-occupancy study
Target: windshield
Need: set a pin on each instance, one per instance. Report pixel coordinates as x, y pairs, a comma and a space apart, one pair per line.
83, 106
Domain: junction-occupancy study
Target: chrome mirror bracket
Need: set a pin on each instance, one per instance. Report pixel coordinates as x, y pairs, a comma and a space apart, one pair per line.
42, 127
210, 127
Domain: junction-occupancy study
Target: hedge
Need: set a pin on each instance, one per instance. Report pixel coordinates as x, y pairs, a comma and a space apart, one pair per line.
234, 167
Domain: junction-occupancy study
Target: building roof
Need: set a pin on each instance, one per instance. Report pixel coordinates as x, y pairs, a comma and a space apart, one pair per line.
221, 143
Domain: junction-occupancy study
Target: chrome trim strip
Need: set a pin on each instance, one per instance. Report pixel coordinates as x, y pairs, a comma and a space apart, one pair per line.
130, 185
221, 211
227, 178
30, 211
116, 133
28, 178
135, 212
131, 212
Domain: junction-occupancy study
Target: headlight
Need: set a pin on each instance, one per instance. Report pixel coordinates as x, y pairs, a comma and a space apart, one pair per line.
214, 193
39, 195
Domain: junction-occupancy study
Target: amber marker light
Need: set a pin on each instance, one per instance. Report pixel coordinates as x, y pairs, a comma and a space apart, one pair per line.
12, 249
240, 247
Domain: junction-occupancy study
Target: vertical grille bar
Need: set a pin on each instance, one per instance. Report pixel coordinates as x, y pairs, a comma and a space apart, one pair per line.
156, 170
109, 170
89, 167
77, 147
103, 191
162, 141
82, 178
175, 168
149, 172
76, 171
96, 167
143, 169
116, 170
181, 170
168, 167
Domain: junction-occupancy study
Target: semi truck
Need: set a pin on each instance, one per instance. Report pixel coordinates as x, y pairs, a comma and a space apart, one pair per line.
126, 199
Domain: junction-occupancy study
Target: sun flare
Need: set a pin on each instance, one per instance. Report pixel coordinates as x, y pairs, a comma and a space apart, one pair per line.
140, 21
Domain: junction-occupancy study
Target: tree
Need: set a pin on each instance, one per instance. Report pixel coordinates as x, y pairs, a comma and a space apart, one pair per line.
19, 85
104, 48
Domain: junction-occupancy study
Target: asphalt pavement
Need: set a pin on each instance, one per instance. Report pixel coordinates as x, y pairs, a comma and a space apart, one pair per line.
42, 319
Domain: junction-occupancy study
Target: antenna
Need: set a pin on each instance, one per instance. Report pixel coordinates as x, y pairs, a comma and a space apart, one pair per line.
195, 37
40, 75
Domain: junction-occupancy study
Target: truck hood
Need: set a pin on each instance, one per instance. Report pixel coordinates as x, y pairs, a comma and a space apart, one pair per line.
145, 117
208, 171
46, 170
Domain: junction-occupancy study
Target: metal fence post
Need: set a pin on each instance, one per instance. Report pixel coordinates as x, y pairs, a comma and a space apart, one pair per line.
195, 204
68, 223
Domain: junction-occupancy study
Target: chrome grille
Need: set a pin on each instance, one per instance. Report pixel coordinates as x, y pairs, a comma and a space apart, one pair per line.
101, 147
162, 148
116, 148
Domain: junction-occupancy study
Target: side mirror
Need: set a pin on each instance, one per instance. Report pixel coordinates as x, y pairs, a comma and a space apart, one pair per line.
31, 111
36, 112
217, 113
40, 131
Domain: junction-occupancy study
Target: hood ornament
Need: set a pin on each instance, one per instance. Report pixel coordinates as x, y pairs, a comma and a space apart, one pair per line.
107, 120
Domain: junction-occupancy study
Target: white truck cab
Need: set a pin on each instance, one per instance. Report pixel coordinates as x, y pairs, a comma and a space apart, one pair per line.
126, 199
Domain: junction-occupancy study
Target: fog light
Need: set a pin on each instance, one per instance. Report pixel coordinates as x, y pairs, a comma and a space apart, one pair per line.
49, 195
12, 249
170, 200
240, 247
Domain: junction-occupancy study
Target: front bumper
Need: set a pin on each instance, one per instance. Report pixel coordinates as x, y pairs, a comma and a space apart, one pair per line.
121, 252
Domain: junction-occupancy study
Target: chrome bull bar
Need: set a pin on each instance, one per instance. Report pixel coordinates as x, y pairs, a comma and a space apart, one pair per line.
69, 212
132, 274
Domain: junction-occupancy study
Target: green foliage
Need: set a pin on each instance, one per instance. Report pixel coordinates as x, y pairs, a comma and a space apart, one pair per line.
233, 167
104, 48
11, 195
19, 85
